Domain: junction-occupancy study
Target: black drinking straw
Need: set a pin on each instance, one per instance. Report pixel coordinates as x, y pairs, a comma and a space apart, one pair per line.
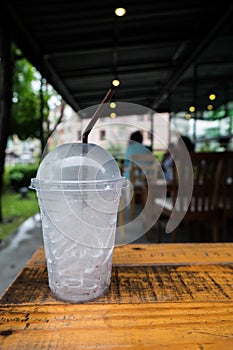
95, 116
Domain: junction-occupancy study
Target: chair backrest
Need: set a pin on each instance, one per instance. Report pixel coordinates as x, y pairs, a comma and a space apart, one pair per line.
206, 171
143, 169
212, 186
226, 183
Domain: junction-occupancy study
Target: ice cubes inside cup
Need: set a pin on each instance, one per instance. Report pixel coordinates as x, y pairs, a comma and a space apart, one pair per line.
78, 187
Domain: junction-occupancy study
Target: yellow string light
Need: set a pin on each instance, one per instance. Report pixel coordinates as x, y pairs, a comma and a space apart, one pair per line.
191, 109
116, 82
212, 97
120, 11
113, 105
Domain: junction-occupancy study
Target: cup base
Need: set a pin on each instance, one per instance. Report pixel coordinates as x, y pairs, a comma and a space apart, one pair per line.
79, 299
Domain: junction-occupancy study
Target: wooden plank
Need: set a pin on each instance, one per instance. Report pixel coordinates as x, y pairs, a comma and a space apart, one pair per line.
173, 253
172, 326
31, 285
166, 253
179, 298
135, 284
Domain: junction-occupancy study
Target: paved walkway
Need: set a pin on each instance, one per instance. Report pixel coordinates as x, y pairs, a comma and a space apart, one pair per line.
21, 247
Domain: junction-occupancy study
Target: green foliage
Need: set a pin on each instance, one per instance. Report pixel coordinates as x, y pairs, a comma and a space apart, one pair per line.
6, 179
26, 104
15, 211
20, 175
206, 148
116, 150
159, 155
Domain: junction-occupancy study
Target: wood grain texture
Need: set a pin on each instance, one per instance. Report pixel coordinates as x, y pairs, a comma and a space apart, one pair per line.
165, 296
173, 253
158, 254
120, 326
135, 284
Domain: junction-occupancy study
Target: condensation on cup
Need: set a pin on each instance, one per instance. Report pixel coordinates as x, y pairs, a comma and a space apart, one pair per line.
78, 187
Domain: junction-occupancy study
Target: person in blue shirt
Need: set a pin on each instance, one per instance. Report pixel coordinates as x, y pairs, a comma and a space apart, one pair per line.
135, 147
167, 163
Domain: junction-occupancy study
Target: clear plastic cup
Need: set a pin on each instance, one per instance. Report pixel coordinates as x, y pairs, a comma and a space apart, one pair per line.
78, 188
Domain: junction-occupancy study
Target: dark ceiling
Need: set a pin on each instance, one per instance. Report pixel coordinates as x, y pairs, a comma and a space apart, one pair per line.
168, 54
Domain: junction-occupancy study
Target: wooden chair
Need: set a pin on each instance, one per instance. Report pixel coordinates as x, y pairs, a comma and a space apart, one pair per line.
143, 170
226, 191
203, 206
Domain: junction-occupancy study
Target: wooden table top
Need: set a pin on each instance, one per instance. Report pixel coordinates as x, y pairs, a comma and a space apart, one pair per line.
162, 296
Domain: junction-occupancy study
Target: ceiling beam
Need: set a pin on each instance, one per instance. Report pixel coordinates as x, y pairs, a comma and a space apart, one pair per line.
32, 51
178, 75
107, 49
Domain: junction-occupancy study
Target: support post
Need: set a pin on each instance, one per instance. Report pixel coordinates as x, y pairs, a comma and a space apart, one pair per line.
6, 71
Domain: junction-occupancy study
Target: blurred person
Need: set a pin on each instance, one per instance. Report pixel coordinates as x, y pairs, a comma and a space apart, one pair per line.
167, 163
135, 146
174, 151
188, 143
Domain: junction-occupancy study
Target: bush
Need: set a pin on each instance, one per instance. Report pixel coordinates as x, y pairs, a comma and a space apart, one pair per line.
20, 175
6, 180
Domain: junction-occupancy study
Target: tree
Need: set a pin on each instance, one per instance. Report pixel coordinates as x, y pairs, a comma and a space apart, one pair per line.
31, 96
24, 102
26, 107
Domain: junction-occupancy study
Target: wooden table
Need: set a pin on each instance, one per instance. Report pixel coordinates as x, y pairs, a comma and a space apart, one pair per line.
164, 296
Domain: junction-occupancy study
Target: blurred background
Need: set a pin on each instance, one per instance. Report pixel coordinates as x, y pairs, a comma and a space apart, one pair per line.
59, 58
